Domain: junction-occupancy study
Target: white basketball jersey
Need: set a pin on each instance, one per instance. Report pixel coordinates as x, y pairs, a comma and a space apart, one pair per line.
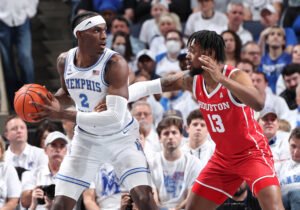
87, 86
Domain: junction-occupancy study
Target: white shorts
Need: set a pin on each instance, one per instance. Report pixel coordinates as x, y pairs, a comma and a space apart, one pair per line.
88, 152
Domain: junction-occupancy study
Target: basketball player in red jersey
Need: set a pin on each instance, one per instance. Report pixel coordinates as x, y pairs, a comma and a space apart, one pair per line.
227, 98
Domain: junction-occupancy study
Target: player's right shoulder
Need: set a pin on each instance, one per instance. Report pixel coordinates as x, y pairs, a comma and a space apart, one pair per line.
61, 60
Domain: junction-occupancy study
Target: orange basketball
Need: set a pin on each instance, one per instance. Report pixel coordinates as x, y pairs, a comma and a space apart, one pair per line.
26, 94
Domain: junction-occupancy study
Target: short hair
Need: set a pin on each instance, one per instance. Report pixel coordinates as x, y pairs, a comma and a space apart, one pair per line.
284, 125
238, 43
175, 31
140, 102
295, 133
122, 19
11, 117
291, 69
128, 49
174, 17
44, 126
245, 60
246, 45
261, 73
169, 121
2, 148
81, 17
210, 40
234, 2
196, 114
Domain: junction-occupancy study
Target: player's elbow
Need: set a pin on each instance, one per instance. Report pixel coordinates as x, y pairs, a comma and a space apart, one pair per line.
259, 105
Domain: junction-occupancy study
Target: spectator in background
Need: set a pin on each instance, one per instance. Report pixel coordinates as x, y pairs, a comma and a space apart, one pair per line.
271, 100
181, 100
108, 9
141, 110
296, 112
246, 66
167, 22
121, 44
150, 27
278, 140
253, 8
15, 32
167, 61
275, 59
20, 153
206, 19
269, 17
291, 77
42, 132
296, 54
105, 190
235, 15
243, 199
182, 59
291, 13
10, 186
173, 172
220, 5
146, 64
252, 52
233, 47
56, 149
289, 173
118, 24
198, 143
137, 11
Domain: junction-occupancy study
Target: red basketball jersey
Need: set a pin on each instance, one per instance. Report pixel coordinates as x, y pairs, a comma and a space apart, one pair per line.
231, 124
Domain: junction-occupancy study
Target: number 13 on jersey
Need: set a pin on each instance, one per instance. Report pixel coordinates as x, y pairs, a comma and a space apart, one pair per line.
216, 123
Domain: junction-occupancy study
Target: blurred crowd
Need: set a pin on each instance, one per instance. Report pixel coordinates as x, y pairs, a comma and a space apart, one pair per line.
152, 35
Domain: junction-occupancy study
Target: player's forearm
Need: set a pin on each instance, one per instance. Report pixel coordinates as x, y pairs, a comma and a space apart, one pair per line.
11, 204
63, 98
247, 95
91, 205
141, 89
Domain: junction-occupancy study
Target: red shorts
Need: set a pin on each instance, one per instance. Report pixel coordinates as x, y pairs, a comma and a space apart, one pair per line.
222, 176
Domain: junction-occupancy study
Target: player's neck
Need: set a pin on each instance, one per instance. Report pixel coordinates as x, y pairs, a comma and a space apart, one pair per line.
85, 59
18, 148
172, 155
209, 82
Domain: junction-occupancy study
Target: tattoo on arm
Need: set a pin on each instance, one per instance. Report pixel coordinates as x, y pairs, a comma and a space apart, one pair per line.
178, 81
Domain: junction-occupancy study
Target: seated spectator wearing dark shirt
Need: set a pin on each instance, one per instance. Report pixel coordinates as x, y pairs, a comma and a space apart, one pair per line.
291, 77
243, 199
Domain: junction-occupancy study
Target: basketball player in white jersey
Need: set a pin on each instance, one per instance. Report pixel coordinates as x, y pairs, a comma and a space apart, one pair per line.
91, 73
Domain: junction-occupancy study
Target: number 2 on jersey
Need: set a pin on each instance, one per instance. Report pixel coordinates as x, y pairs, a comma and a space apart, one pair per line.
84, 102
216, 123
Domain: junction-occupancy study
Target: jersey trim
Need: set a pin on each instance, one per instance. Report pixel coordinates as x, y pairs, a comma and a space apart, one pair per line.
216, 189
252, 188
229, 93
90, 67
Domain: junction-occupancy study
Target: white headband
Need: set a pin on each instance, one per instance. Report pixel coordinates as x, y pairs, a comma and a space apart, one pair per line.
88, 23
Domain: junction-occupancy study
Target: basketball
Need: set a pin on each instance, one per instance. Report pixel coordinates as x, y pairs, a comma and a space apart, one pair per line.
26, 94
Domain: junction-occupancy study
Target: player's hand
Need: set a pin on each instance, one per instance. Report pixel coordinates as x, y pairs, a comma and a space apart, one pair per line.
50, 110
100, 107
212, 67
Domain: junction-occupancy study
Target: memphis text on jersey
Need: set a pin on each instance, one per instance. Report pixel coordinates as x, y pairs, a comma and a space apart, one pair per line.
75, 83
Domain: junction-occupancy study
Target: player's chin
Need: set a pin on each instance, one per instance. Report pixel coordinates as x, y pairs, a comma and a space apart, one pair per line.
196, 71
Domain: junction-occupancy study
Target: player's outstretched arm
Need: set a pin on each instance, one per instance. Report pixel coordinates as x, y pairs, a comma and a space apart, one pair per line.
178, 81
239, 84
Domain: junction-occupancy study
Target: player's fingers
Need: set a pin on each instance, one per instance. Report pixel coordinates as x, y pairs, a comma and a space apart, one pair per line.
44, 98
